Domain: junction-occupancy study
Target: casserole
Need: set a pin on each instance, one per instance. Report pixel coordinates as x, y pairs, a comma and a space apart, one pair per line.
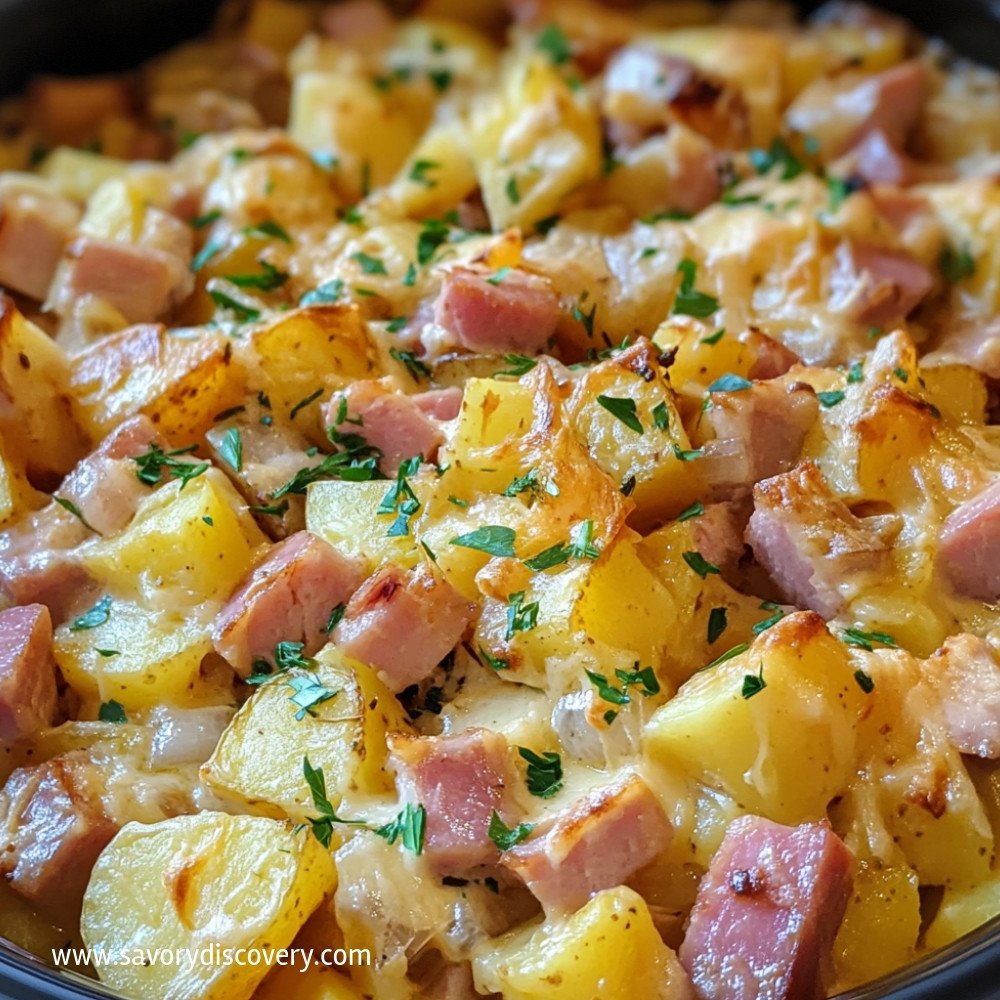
969, 958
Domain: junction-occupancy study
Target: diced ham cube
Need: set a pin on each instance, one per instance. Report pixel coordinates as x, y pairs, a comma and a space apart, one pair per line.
876, 159
759, 432
104, 485
967, 679
35, 226
38, 562
767, 912
810, 543
288, 597
597, 843
877, 287
771, 358
27, 672
356, 22
839, 112
518, 312
53, 826
403, 623
718, 533
142, 283
400, 426
460, 780
969, 545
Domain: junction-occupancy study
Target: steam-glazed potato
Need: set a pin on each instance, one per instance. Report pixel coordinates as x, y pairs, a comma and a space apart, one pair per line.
194, 882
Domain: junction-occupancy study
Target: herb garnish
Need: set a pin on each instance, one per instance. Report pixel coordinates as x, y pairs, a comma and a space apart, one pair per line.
544, 777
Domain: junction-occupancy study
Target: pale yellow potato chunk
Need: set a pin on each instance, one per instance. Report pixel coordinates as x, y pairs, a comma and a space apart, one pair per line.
610, 949
197, 881
258, 760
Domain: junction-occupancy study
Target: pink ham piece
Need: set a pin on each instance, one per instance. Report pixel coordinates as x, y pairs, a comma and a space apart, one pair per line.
37, 555
35, 226
597, 843
460, 780
809, 542
877, 160
718, 533
399, 426
969, 546
967, 679
767, 912
838, 113
104, 486
877, 287
288, 597
759, 432
142, 283
52, 828
402, 623
771, 358
27, 672
517, 313
356, 22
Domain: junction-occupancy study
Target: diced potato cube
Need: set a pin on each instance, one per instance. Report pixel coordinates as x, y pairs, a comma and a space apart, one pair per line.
439, 174
180, 382
115, 211
192, 881
625, 411
370, 133
319, 347
610, 949
783, 752
884, 906
533, 144
259, 758
77, 173
139, 658
958, 391
39, 421
17, 496
964, 909
193, 541
346, 515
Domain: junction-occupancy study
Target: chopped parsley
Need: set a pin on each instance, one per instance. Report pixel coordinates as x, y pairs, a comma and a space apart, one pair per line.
433, 234
411, 362
695, 510
544, 777
699, 564
773, 619
75, 511
418, 172
689, 301
779, 154
713, 338
242, 312
831, 398
97, 615
400, 500
864, 681
269, 279
730, 383
521, 617
152, 464
956, 265
717, 623
268, 229
864, 640
322, 825
410, 825
303, 403
205, 254
753, 683
513, 192
687, 454
585, 319
520, 364
661, 416
308, 692
231, 448
335, 618
624, 409
841, 189
497, 277
493, 662
369, 265
855, 373
326, 294
727, 655
644, 680
506, 837
494, 539
112, 711
553, 42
